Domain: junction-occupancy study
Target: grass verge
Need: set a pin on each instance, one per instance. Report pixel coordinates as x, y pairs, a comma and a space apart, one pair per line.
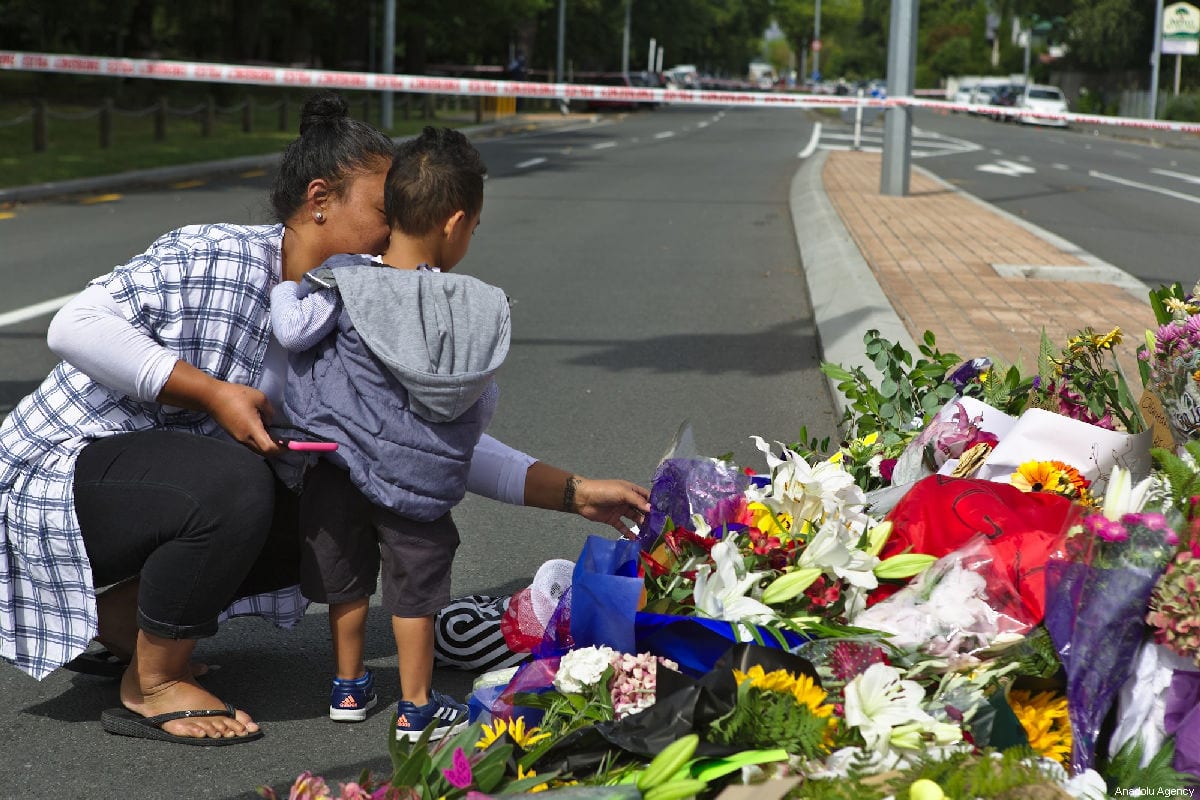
73, 148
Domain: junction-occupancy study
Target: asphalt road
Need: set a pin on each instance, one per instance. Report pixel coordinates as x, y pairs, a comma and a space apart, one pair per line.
1127, 202
655, 278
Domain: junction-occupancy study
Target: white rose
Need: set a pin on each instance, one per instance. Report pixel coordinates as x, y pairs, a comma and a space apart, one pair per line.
581, 668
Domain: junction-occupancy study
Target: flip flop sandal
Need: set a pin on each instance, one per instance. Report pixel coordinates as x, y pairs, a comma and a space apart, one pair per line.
123, 722
97, 662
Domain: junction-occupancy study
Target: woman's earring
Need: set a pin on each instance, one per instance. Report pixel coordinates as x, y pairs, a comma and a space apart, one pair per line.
319, 216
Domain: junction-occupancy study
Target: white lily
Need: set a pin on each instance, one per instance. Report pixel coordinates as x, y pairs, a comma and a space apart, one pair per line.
878, 701
808, 491
830, 551
722, 594
1121, 496
923, 735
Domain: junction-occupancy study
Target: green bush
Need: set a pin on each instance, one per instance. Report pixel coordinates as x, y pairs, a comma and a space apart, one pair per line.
1183, 108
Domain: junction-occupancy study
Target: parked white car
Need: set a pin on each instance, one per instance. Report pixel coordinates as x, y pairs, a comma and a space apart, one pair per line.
962, 95
1045, 99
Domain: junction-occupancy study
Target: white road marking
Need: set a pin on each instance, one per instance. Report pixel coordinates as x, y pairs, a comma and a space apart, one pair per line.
1183, 176
35, 310
811, 147
603, 145
1004, 167
533, 162
1144, 186
664, 134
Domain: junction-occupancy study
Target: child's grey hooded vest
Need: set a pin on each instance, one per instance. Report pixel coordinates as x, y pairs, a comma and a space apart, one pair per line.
398, 381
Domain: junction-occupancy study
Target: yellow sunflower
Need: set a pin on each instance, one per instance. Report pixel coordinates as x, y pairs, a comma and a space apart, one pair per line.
523, 773
809, 694
802, 687
779, 680
516, 731
523, 738
1108, 340
490, 733
1038, 476
1044, 718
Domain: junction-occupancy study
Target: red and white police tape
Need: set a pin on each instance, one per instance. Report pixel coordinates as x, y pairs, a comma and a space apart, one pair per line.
374, 81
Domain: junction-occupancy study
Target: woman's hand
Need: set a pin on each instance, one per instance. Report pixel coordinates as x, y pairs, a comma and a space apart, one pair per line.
239, 409
609, 501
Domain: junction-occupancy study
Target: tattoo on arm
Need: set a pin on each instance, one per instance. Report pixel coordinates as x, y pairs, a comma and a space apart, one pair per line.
569, 494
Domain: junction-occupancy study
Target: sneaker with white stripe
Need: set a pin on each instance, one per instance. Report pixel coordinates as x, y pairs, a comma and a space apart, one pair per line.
449, 717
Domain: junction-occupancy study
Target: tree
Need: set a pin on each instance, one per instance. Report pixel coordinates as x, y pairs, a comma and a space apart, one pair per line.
1110, 34
840, 37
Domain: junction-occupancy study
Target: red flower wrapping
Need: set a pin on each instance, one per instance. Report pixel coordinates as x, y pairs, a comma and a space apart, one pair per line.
940, 514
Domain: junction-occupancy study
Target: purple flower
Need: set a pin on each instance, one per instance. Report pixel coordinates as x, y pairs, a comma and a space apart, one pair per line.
1105, 529
1150, 520
968, 373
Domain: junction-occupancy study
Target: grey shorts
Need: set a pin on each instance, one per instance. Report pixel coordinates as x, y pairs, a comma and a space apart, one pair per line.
345, 538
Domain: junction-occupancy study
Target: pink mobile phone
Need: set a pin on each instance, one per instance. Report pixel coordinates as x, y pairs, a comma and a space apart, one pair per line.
292, 444
312, 442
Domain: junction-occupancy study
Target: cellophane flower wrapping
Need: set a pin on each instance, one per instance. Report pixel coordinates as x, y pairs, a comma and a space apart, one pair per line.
685, 486
965, 603
1097, 593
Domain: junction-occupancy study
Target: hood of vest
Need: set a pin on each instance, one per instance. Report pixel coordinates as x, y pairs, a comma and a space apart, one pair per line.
443, 335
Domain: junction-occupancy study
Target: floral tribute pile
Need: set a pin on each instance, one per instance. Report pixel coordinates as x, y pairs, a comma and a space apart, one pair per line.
988, 589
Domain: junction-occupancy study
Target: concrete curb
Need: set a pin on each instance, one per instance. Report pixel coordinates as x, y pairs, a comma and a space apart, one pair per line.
847, 301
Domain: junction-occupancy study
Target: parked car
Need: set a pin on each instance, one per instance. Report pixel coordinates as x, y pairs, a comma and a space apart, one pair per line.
1009, 96
1047, 99
608, 79
962, 95
984, 95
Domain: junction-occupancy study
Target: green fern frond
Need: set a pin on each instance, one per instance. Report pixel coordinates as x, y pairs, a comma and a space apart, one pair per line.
1125, 768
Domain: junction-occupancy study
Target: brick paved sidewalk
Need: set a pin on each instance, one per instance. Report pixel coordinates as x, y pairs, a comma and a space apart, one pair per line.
933, 252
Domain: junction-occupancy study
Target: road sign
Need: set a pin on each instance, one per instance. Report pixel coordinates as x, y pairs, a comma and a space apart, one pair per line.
1181, 29
816, 45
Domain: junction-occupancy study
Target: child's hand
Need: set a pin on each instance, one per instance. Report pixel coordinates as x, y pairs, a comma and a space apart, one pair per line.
613, 502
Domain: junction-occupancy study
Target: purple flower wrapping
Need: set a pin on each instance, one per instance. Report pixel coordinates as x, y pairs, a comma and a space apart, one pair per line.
1182, 720
686, 486
1095, 616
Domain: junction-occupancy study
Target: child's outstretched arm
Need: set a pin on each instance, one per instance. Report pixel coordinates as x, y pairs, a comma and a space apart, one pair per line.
300, 317
613, 502
510, 476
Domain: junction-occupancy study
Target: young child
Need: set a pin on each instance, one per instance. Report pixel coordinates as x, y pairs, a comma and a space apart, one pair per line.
395, 363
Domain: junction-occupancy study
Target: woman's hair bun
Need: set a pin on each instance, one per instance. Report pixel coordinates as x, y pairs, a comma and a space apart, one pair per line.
323, 109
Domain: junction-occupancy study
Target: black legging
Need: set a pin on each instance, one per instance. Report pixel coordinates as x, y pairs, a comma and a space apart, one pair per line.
202, 521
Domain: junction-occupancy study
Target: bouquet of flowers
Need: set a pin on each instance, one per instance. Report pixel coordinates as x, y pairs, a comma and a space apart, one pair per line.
1078, 383
1097, 595
794, 550
961, 606
595, 684
1171, 359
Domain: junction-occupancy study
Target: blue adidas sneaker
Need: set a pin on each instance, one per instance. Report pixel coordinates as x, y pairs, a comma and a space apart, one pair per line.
349, 701
449, 715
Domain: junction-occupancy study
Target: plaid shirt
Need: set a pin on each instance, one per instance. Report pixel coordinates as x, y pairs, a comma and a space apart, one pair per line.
203, 292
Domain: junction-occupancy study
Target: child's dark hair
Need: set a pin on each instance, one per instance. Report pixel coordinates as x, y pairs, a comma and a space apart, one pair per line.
433, 176
332, 145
